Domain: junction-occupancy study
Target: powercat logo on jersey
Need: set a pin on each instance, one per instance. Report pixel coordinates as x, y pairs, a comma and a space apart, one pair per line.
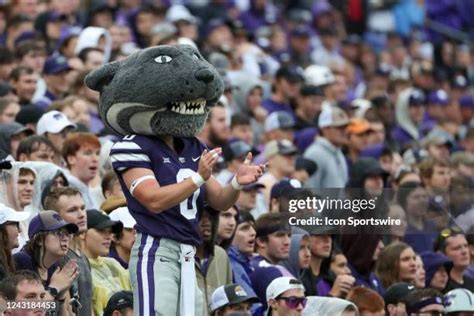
182, 159
166, 160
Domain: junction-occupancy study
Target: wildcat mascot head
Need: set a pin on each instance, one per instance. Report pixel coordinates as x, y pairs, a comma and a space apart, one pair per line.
162, 90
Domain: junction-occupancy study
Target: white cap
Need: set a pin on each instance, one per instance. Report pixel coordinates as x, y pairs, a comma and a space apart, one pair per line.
318, 75
53, 122
281, 285
122, 214
459, 300
332, 116
180, 13
360, 107
7, 214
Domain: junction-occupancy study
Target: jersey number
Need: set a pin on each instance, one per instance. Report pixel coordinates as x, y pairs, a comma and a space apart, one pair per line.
188, 207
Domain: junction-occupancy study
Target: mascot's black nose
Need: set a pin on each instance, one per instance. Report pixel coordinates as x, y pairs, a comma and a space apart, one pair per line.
204, 75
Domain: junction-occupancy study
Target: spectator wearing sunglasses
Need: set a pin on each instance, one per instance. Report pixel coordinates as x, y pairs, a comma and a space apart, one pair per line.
285, 297
452, 243
49, 240
9, 232
231, 299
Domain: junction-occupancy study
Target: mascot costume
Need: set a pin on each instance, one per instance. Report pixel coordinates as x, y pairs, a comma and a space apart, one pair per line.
158, 99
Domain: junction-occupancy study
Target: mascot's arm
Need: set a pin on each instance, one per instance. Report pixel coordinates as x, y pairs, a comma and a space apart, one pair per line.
157, 198
154, 197
222, 198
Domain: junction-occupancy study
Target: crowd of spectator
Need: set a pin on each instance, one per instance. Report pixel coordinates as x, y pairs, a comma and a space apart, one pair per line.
376, 96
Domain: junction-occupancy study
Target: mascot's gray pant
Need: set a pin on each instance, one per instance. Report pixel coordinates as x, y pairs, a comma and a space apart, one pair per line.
155, 272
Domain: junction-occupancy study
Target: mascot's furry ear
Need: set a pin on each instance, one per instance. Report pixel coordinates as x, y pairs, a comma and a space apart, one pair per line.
97, 79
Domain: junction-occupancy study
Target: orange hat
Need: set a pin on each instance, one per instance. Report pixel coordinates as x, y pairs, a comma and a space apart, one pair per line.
358, 126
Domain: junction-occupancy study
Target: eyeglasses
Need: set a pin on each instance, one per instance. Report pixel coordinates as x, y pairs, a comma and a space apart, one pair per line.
61, 233
294, 301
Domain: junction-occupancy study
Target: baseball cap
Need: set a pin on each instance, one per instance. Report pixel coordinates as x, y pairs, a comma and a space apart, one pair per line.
358, 126
467, 101
284, 186
18, 128
99, 220
332, 116
53, 122
279, 147
7, 214
318, 75
118, 301
301, 31
417, 97
228, 295
360, 107
292, 74
438, 97
48, 221
462, 158
180, 13
122, 214
281, 285
459, 300
29, 114
279, 120
245, 217
56, 64
306, 164
434, 140
397, 292
237, 148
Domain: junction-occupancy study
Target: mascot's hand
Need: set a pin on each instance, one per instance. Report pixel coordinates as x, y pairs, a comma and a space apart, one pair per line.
208, 160
247, 173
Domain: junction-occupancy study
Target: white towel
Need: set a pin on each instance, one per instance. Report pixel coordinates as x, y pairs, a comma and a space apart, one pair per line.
188, 280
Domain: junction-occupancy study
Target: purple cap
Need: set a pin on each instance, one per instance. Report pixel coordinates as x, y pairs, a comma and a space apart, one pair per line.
320, 7
56, 64
47, 221
68, 32
55, 16
213, 24
28, 35
438, 97
467, 101
301, 31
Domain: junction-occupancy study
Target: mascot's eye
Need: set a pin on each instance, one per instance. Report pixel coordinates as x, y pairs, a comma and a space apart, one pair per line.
195, 56
162, 59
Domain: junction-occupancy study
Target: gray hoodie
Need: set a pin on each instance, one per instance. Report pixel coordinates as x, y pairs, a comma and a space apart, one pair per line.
403, 116
90, 36
326, 306
293, 262
242, 84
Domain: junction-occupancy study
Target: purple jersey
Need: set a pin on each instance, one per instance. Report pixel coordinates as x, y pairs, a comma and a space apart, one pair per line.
179, 222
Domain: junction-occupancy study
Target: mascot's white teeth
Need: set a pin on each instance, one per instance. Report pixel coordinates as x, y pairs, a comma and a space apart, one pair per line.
188, 107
